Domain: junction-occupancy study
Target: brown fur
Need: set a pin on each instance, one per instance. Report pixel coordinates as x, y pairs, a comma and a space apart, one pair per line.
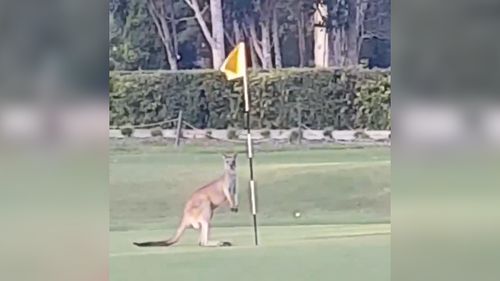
199, 209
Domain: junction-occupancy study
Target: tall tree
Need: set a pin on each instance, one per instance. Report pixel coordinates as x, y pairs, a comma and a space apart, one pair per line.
375, 39
276, 39
320, 34
215, 37
153, 34
347, 18
257, 21
133, 42
355, 30
300, 12
158, 10
264, 9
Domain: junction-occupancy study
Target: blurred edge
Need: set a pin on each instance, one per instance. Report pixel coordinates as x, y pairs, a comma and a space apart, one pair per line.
53, 71
53, 140
445, 156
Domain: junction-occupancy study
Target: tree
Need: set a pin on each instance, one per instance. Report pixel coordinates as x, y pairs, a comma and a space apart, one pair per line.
347, 19
133, 42
263, 8
320, 34
215, 38
185, 34
375, 43
257, 20
354, 28
276, 39
158, 11
300, 11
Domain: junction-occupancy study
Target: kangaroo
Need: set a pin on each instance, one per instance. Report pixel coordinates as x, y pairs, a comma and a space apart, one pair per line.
200, 207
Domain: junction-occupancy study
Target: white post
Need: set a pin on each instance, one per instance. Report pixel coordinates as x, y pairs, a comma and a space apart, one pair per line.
250, 155
245, 90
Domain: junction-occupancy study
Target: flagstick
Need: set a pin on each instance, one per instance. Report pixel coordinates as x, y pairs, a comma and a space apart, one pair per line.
250, 156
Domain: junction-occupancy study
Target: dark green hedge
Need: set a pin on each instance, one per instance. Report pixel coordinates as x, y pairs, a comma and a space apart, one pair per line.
342, 99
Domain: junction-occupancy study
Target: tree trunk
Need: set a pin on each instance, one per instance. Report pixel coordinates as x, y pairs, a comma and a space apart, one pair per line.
218, 51
254, 58
267, 61
249, 40
254, 39
320, 36
354, 31
302, 40
360, 24
338, 50
351, 32
171, 54
237, 32
215, 38
276, 41
173, 23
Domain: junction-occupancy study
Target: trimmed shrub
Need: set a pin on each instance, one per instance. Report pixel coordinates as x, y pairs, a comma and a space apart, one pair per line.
208, 134
156, 132
127, 130
265, 134
328, 97
295, 135
327, 133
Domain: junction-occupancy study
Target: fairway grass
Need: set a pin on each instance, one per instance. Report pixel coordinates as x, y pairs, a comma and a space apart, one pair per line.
148, 190
343, 232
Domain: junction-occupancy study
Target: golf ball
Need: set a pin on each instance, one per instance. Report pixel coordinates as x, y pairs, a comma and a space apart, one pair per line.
296, 214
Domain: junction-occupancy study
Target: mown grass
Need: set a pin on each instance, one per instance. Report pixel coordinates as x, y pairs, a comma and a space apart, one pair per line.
343, 196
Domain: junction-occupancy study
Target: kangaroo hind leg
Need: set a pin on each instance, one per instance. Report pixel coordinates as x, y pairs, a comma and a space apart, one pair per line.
204, 221
204, 237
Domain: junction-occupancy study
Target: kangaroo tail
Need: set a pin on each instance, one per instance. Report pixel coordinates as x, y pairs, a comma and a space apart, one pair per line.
165, 243
152, 244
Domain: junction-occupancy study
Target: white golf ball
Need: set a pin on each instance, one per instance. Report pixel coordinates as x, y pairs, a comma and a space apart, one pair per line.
297, 214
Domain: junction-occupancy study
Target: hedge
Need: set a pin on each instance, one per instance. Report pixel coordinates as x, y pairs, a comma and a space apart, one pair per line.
337, 98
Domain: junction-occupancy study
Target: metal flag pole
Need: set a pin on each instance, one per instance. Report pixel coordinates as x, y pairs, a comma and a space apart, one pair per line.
250, 154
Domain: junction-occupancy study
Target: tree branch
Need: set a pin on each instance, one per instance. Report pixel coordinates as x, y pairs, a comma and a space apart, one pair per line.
190, 3
155, 16
190, 17
255, 42
229, 38
193, 4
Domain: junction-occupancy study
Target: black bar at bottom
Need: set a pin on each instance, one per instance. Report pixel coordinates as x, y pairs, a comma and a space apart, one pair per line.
255, 230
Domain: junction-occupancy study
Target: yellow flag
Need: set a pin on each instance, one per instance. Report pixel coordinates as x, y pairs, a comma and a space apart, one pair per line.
235, 64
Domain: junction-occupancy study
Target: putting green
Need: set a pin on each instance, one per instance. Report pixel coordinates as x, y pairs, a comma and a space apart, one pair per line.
313, 252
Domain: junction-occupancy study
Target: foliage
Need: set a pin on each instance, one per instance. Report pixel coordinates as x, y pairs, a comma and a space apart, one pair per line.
134, 42
341, 98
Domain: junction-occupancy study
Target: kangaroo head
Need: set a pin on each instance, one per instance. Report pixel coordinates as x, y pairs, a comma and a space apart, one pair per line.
229, 162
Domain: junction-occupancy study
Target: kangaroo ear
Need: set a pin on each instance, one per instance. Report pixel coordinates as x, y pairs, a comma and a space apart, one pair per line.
224, 155
235, 155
